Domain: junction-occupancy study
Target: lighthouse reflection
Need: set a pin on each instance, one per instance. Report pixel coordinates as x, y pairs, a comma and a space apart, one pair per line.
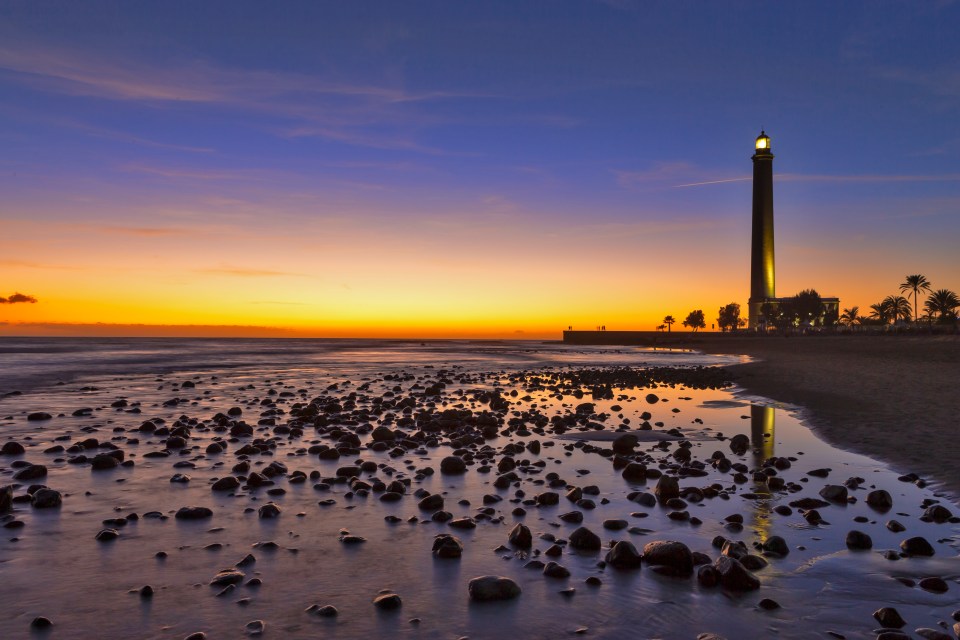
762, 425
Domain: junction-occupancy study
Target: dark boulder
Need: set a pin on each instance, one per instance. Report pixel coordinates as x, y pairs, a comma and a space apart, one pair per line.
585, 539
453, 465
623, 555
673, 558
487, 588
734, 576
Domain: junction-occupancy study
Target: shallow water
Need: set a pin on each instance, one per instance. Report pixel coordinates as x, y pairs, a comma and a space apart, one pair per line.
55, 568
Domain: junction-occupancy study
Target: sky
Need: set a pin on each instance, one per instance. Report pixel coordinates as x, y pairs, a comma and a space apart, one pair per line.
488, 169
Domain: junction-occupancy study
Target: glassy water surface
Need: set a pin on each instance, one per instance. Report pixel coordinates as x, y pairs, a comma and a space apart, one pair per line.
54, 567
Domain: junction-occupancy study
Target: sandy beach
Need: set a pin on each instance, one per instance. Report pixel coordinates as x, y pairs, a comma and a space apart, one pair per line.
894, 398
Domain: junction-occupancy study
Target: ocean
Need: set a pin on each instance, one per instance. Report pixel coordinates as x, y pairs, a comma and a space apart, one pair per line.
545, 410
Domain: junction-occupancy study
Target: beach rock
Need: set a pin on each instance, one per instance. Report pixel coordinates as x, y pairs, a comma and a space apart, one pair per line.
31, 472
488, 588
834, 493
625, 444
107, 535
6, 498
325, 611
447, 546
453, 465
645, 499
193, 513
710, 636
776, 546
585, 539
936, 513
227, 576
934, 585
433, 502
932, 634
739, 444
556, 570
623, 555
269, 510
103, 461
226, 483
635, 472
520, 536
916, 546
752, 562
388, 601
673, 558
667, 487
46, 499
734, 576
465, 522
895, 526
809, 503
889, 617
255, 627
39, 415
708, 576
12, 448
859, 541
880, 500
548, 499
40, 623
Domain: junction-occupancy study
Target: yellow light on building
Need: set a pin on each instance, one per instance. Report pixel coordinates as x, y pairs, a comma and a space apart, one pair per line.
763, 141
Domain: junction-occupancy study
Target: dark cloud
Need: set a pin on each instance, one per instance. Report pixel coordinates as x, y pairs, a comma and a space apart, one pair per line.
17, 297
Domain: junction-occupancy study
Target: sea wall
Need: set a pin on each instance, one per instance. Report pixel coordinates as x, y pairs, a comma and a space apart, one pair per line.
631, 337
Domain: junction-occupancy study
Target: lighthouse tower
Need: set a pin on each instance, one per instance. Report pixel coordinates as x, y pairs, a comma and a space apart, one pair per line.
761, 255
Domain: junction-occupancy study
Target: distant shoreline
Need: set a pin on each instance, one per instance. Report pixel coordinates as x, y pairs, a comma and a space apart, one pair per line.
893, 398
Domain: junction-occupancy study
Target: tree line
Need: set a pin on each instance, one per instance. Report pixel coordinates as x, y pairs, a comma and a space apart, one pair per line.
807, 309
728, 319
941, 306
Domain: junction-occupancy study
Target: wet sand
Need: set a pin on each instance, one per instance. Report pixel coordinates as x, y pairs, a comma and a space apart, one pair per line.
893, 398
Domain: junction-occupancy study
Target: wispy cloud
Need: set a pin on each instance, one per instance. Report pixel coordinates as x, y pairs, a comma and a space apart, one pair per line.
680, 175
193, 174
373, 115
706, 182
672, 175
363, 139
936, 177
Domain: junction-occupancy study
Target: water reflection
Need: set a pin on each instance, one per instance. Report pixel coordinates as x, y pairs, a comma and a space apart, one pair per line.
762, 425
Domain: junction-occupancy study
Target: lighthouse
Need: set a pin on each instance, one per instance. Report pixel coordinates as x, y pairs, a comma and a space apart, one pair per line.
761, 255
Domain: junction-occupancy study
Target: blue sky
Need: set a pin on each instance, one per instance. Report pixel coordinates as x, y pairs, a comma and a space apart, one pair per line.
580, 125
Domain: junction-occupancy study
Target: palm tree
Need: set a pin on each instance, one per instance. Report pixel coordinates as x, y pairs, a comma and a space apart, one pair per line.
898, 307
943, 303
669, 322
880, 312
915, 283
850, 316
